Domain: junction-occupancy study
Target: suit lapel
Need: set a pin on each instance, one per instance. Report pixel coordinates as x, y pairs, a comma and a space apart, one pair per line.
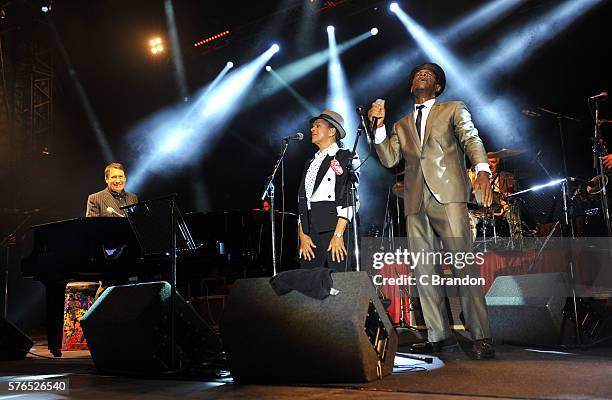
322, 171
112, 202
412, 132
430, 118
303, 181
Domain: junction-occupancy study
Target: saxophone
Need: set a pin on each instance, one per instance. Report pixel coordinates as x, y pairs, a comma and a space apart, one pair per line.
594, 186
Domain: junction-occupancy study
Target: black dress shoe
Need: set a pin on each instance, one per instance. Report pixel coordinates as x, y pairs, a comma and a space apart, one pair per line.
443, 346
483, 349
56, 352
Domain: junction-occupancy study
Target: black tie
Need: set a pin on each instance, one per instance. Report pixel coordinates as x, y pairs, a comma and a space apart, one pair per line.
420, 107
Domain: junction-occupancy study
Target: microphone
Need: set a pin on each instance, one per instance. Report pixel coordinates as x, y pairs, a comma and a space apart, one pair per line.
297, 136
599, 97
373, 127
530, 113
537, 156
32, 211
111, 210
362, 112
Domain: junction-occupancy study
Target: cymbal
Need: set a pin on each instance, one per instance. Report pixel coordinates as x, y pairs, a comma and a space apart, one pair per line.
503, 153
398, 189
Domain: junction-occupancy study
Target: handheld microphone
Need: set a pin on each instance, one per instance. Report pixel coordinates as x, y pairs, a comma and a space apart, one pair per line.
373, 127
603, 96
297, 136
111, 210
362, 112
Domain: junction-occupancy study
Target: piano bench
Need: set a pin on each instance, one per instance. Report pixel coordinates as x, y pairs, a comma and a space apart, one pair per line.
78, 298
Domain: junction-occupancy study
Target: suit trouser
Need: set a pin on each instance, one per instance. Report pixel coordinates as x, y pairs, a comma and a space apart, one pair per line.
323, 257
448, 223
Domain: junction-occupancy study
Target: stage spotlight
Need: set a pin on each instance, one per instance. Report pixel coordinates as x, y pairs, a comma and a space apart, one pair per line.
331, 29
275, 48
478, 20
519, 44
339, 96
187, 131
394, 7
156, 46
230, 64
308, 106
374, 31
389, 69
46, 7
494, 113
300, 68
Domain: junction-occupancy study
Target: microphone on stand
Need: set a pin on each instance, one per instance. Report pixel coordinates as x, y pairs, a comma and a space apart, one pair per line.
112, 211
32, 211
297, 136
603, 96
530, 113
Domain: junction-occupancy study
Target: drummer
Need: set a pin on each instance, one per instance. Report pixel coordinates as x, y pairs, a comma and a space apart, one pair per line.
501, 181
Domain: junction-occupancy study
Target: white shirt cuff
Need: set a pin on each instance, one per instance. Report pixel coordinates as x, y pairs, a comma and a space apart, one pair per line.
380, 135
346, 212
483, 167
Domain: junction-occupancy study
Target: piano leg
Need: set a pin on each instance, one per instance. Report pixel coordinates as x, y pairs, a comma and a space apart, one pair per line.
55, 315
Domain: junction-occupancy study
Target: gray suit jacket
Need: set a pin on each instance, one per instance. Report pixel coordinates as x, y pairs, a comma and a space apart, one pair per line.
98, 202
440, 162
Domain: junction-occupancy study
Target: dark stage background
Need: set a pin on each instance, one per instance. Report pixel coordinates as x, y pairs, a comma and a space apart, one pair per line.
106, 43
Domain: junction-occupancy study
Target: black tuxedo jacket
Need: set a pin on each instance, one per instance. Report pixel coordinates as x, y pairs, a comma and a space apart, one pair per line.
323, 215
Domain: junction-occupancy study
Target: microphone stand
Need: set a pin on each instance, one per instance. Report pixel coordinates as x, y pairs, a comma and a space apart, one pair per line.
6, 243
601, 173
269, 192
560, 118
173, 260
569, 223
353, 199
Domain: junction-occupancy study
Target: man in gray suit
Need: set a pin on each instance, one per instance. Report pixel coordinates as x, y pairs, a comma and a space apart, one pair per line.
433, 141
108, 202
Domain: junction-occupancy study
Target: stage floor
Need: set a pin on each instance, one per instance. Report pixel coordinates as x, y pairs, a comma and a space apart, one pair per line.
517, 372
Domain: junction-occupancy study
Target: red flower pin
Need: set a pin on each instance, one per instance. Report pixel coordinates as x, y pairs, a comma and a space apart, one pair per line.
335, 165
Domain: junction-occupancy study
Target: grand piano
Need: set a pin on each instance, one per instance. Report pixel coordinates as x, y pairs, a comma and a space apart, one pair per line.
233, 243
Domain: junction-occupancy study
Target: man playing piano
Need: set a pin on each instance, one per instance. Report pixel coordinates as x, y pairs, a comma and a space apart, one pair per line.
108, 202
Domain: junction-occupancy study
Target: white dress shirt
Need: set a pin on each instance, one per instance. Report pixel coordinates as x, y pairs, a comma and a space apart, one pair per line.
381, 133
326, 191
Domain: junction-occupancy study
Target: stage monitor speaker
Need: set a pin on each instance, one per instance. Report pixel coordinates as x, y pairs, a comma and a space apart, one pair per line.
528, 309
295, 338
14, 344
128, 331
